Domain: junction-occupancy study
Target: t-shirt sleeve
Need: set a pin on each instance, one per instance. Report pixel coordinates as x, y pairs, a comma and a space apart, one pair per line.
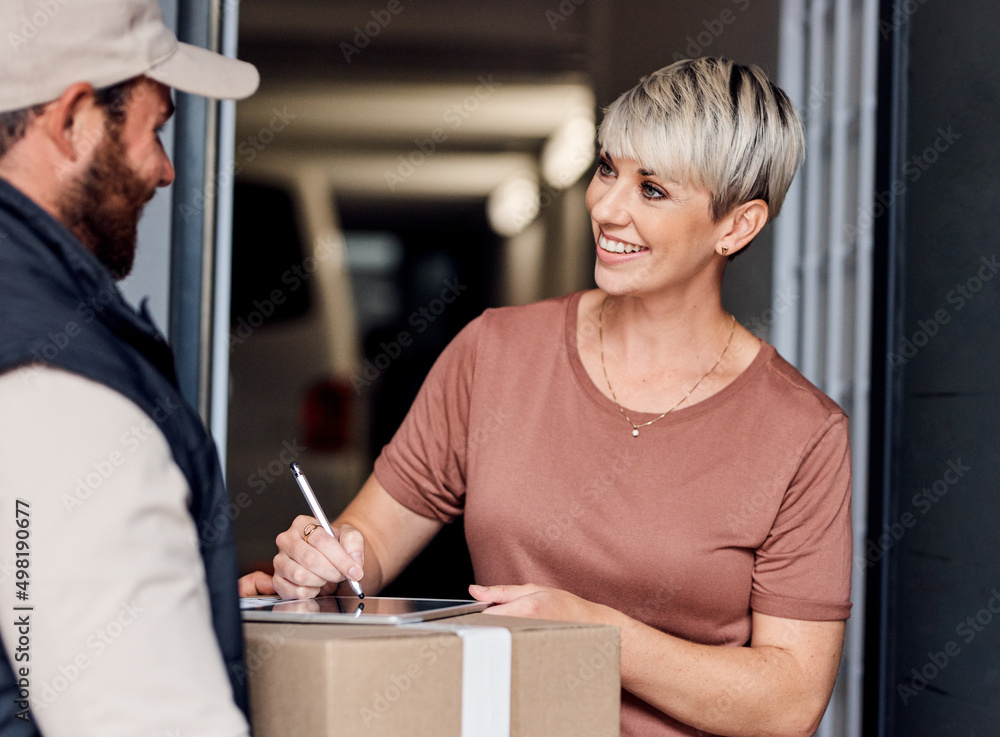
803, 568
424, 465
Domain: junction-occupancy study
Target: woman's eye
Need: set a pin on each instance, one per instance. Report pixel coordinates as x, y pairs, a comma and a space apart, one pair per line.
604, 169
652, 192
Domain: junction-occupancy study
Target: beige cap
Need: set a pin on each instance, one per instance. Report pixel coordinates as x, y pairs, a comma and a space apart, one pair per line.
47, 45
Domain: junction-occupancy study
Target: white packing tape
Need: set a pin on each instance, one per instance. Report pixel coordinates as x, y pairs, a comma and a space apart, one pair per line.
486, 676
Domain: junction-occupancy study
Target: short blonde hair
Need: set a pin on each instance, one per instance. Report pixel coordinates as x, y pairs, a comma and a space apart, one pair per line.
711, 122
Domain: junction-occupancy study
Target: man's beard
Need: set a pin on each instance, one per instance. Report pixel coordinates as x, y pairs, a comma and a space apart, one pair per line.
102, 208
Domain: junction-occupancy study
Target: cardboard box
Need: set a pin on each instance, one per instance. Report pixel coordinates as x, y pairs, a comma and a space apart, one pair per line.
314, 680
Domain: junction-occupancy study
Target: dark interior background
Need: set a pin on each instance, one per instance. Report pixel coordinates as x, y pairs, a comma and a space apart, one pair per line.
934, 634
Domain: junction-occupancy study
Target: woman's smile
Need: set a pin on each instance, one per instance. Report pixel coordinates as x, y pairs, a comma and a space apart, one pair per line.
613, 251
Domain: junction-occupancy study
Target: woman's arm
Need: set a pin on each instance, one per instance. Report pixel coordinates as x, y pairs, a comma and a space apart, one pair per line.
778, 686
378, 538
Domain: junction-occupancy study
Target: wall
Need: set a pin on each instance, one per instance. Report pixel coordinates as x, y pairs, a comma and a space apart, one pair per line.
937, 539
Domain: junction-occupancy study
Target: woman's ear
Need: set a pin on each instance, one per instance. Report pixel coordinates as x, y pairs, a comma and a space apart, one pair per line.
743, 223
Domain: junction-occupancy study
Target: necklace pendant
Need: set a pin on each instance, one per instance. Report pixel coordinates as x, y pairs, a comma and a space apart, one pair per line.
635, 428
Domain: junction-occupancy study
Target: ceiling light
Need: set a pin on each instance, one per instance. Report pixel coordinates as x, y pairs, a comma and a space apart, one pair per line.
569, 151
513, 205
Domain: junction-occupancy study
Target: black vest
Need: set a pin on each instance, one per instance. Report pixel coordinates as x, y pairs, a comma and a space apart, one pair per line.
60, 307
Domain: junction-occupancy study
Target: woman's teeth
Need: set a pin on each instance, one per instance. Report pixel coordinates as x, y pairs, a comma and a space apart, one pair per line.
619, 247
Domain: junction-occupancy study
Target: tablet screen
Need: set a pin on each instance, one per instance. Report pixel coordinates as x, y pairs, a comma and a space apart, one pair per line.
351, 609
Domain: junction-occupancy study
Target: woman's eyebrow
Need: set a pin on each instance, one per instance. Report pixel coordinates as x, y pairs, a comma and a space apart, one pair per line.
644, 172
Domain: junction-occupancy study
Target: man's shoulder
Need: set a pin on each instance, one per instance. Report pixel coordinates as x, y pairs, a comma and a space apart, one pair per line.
55, 387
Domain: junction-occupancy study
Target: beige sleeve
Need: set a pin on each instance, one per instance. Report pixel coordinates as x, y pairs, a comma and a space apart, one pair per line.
120, 636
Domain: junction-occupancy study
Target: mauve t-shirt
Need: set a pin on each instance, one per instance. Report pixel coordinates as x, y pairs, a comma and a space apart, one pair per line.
738, 503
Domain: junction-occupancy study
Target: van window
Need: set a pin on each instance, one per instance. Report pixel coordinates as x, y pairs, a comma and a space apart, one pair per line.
267, 255
374, 260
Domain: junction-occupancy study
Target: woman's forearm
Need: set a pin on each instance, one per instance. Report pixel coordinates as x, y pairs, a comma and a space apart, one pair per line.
766, 689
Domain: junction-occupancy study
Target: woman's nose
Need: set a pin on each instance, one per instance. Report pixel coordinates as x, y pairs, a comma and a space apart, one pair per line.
610, 205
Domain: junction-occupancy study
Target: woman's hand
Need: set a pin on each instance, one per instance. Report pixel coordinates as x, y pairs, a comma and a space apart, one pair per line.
310, 562
257, 583
376, 538
541, 602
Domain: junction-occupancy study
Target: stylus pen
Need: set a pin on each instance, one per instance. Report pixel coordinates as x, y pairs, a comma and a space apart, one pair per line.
320, 515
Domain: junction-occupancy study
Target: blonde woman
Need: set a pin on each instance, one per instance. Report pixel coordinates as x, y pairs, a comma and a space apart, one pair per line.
658, 467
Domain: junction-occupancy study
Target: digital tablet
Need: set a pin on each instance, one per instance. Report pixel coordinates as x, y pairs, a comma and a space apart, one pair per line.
351, 609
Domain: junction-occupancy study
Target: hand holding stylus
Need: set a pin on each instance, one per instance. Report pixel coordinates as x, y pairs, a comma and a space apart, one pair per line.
320, 516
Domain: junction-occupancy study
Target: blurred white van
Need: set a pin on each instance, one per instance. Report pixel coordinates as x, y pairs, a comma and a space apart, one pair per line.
293, 348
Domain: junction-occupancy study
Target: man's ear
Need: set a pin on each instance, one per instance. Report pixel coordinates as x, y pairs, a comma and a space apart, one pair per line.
743, 223
74, 123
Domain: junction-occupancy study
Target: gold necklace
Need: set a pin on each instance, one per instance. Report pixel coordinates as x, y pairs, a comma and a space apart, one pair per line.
635, 428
